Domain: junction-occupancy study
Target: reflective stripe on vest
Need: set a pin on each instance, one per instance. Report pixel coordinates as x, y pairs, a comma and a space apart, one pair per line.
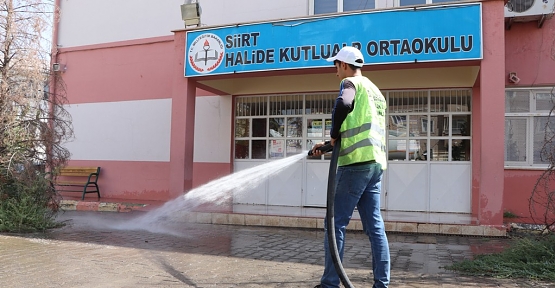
367, 126
363, 143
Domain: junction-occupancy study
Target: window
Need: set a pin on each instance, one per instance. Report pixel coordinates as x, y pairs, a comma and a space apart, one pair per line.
411, 2
423, 125
333, 6
529, 127
271, 127
419, 2
325, 6
353, 5
429, 125
397, 3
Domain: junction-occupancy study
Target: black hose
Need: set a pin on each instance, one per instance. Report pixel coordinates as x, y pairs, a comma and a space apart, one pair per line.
332, 243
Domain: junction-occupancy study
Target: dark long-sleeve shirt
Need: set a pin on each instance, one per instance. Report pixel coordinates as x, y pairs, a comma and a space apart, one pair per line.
344, 104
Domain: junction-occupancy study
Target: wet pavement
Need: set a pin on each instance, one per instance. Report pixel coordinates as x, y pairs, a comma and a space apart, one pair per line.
98, 249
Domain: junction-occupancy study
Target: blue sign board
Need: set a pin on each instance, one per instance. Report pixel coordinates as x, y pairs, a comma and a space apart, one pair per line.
420, 34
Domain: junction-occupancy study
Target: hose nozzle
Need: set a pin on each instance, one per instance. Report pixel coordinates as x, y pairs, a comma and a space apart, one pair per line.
326, 148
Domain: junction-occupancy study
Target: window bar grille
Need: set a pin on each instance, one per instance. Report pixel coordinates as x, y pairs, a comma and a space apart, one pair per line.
294, 105
448, 100
458, 97
462, 100
455, 100
327, 106
407, 102
303, 103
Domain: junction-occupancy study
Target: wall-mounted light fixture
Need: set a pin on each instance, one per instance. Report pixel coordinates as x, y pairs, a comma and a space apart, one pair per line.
58, 67
513, 78
190, 13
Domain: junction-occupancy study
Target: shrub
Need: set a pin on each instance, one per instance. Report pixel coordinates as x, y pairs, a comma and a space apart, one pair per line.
27, 203
531, 258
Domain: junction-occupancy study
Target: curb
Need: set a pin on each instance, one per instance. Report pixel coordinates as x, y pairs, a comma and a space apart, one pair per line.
292, 221
354, 225
74, 205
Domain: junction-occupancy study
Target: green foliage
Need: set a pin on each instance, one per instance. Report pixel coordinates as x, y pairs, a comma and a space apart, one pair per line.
529, 258
27, 204
509, 214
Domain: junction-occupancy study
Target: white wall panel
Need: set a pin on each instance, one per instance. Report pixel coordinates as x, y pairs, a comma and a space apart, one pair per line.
450, 189
213, 129
407, 186
122, 131
218, 12
285, 187
317, 183
89, 22
257, 195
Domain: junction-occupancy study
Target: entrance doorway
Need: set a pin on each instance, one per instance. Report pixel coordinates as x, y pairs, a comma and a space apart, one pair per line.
428, 140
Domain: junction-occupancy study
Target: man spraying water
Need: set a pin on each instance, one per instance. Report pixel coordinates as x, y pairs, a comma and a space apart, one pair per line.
358, 119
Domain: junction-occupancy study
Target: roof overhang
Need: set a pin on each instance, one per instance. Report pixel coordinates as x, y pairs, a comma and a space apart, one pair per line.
413, 78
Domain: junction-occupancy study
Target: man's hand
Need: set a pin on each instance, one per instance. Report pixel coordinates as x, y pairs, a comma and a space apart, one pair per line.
316, 152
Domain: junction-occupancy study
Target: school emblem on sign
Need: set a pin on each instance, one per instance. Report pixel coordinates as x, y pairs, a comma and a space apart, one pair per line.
206, 53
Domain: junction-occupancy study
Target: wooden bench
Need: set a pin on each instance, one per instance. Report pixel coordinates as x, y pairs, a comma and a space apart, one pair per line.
63, 185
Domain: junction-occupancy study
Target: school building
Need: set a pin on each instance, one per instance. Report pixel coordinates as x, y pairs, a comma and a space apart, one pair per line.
163, 108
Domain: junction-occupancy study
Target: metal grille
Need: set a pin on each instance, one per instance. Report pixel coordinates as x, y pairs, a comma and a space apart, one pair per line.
320, 103
450, 101
286, 105
520, 6
408, 101
251, 106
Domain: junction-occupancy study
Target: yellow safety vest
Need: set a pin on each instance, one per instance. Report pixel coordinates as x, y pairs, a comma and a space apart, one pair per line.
363, 131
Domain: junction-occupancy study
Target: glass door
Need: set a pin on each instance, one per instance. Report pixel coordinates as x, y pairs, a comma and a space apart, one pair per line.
317, 168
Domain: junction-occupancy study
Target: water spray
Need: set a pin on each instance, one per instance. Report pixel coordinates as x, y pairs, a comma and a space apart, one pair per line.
214, 192
330, 218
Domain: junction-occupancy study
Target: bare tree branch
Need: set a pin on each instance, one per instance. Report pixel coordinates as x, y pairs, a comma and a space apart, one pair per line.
542, 200
34, 124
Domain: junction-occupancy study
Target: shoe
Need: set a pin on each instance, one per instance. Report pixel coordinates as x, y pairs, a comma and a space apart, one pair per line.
318, 286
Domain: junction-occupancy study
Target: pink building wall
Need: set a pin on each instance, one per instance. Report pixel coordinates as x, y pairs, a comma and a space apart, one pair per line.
488, 123
530, 52
133, 180
205, 172
119, 71
126, 71
518, 189
183, 122
143, 69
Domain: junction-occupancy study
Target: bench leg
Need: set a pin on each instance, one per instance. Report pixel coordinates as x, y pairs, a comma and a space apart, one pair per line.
85, 190
97, 190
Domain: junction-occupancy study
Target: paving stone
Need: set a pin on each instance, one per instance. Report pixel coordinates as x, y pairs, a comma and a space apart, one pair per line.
99, 249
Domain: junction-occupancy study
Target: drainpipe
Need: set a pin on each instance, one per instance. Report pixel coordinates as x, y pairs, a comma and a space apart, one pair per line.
52, 79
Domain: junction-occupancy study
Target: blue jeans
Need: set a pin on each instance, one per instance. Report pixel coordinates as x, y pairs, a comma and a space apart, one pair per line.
359, 186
